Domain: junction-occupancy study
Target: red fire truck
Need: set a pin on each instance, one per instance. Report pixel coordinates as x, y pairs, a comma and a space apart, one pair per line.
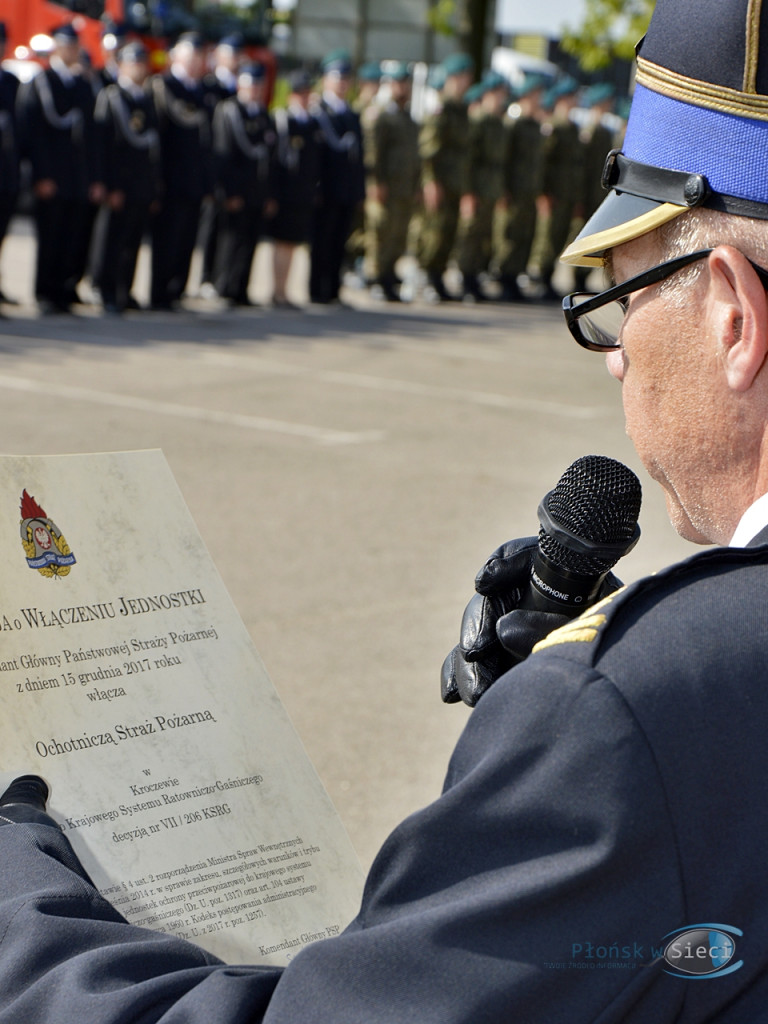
156, 22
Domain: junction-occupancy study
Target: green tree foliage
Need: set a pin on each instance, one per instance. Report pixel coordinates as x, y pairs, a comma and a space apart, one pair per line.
441, 15
610, 29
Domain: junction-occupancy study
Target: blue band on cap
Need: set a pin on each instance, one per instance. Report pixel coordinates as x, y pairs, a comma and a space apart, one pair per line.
731, 151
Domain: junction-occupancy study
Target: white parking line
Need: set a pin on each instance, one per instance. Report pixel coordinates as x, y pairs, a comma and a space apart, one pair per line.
407, 387
320, 435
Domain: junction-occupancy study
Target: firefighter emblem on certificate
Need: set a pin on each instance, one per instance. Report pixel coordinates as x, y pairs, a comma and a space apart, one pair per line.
43, 542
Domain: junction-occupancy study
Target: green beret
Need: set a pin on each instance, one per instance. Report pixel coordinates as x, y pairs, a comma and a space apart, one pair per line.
370, 72
337, 60
531, 83
564, 87
493, 80
599, 93
400, 72
458, 64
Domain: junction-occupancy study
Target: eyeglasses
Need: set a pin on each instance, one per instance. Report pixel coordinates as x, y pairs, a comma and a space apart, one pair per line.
595, 319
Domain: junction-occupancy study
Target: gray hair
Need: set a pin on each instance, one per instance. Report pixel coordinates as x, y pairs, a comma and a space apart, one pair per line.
704, 229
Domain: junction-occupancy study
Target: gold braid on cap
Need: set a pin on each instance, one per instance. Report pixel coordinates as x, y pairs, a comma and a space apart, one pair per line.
752, 45
702, 94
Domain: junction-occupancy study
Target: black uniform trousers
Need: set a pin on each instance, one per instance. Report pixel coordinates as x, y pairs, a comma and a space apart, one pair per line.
174, 232
123, 231
63, 237
330, 231
238, 233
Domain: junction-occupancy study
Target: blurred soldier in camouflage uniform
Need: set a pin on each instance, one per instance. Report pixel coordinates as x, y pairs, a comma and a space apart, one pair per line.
392, 157
444, 150
365, 105
563, 179
598, 140
486, 182
515, 221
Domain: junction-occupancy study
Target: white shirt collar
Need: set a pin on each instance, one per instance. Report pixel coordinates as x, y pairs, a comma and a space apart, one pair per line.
751, 523
61, 69
227, 78
130, 87
338, 106
179, 73
298, 112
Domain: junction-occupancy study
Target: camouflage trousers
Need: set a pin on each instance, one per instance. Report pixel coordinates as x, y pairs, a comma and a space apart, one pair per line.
553, 238
474, 239
386, 235
513, 232
438, 234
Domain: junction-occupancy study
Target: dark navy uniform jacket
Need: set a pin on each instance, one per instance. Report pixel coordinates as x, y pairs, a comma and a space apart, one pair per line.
127, 143
605, 793
9, 142
56, 122
244, 152
342, 168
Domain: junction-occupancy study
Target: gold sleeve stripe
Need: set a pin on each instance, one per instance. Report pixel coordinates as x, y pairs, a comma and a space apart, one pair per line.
752, 45
580, 631
701, 94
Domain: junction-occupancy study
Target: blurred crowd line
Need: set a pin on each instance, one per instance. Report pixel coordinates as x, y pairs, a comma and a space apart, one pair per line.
489, 183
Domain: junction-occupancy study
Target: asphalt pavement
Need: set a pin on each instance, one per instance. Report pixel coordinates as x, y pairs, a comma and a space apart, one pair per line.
349, 469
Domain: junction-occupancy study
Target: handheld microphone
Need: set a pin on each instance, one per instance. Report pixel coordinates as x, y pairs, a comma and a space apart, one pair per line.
587, 523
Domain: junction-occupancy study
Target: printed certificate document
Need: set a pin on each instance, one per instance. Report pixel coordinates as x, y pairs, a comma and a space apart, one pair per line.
130, 684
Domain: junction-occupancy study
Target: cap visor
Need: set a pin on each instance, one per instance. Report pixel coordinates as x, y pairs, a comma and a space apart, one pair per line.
620, 218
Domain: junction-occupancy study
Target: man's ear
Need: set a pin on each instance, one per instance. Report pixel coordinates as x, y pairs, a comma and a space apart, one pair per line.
739, 312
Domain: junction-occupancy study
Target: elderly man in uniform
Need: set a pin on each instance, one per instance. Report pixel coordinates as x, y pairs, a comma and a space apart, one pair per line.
597, 853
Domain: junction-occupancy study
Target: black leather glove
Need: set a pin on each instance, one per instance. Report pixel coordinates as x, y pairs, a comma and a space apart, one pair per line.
495, 633
24, 802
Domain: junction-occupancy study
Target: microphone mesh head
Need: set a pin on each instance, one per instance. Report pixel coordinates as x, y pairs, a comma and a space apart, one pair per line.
598, 500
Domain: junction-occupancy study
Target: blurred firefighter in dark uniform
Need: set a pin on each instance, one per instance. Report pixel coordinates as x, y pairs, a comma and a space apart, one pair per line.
56, 118
297, 181
220, 83
185, 148
9, 147
243, 146
128, 165
342, 183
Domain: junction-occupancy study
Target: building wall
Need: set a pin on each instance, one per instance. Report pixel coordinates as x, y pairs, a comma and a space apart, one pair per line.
369, 29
